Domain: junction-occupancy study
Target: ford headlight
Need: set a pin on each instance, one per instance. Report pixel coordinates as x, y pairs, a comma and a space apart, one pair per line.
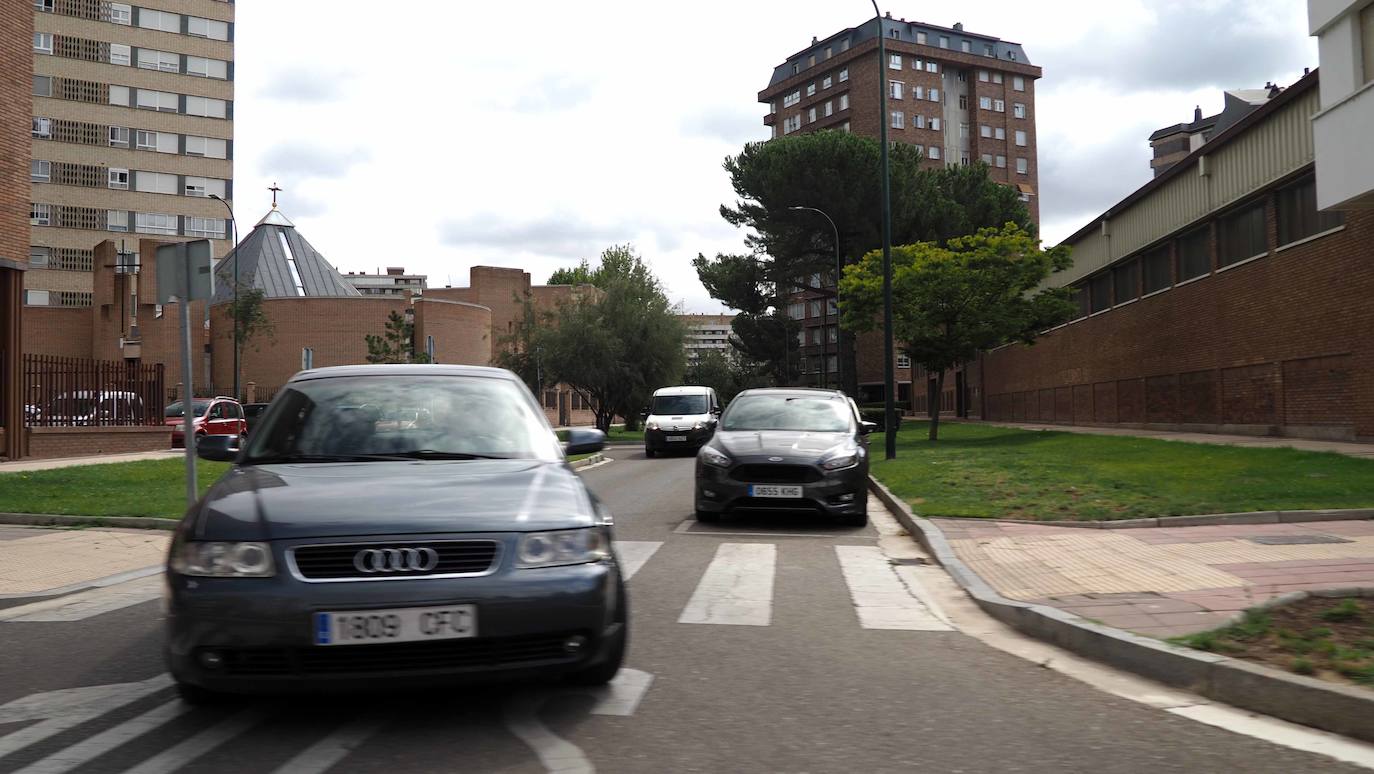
841, 462
224, 560
566, 546
714, 457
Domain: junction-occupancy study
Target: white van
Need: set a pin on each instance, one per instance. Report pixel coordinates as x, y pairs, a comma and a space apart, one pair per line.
680, 418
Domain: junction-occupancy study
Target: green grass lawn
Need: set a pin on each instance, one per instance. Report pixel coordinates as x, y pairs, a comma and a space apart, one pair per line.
147, 488
983, 471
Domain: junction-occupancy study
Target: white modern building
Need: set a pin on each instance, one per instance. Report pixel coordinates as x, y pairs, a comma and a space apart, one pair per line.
395, 282
1342, 128
706, 332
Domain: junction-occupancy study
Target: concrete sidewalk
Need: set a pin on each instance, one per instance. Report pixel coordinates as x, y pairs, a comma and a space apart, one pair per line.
35, 562
1164, 581
1365, 450
103, 459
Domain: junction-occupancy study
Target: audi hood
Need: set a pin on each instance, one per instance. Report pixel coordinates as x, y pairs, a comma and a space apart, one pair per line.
316, 500
788, 444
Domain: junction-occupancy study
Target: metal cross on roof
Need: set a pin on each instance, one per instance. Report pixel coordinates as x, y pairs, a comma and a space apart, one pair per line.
275, 190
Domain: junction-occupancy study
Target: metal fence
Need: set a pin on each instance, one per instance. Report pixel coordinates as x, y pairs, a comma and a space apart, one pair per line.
74, 392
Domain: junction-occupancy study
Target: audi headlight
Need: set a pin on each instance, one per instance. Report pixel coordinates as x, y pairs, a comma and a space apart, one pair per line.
651, 426
714, 457
224, 560
567, 546
841, 462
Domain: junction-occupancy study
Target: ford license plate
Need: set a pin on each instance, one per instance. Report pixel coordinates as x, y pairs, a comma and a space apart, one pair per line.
772, 490
402, 624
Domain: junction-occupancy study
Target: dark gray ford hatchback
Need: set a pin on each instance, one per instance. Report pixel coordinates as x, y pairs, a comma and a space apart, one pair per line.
389, 526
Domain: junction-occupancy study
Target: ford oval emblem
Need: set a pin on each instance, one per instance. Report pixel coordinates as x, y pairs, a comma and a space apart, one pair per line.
775, 459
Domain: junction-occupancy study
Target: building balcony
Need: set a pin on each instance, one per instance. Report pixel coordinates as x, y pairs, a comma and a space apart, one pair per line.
1345, 167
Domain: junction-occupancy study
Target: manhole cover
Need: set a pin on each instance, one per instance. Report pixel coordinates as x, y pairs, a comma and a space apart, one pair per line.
1297, 540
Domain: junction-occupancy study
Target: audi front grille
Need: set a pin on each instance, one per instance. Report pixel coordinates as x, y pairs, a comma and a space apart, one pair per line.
394, 561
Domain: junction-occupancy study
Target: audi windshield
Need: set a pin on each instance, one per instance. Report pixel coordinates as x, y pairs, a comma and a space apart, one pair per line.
375, 418
779, 412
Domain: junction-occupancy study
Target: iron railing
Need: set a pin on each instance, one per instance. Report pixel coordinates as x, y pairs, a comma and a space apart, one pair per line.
75, 392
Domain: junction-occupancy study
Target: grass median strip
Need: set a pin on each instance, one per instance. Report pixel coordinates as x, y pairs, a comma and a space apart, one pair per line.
983, 471
147, 488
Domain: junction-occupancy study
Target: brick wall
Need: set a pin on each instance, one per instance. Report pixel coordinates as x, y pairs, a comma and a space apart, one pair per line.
52, 330
461, 331
50, 442
1281, 344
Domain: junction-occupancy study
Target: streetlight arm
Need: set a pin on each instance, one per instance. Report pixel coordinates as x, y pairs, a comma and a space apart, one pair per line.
234, 224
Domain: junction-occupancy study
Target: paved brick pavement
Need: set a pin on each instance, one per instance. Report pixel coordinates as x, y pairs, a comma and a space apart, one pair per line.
1365, 450
1164, 581
37, 561
104, 459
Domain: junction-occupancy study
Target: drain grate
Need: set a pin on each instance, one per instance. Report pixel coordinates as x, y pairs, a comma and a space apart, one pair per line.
1297, 540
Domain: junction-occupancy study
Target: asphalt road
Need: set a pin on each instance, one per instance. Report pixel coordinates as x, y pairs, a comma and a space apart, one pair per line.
763, 645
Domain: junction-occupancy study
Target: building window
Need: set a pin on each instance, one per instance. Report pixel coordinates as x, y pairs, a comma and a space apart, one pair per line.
963, 131
1001, 162
999, 133
921, 38
212, 148
904, 361
145, 140
155, 223
791, 99
207, 28
999, 106
119, 136
165, 61
932, 67
1020, 138
1018, 110
844, 127
829, 51
117, 220
121, 13
933, 152
811, 89
844, 44
1298, 215
983, 76
987, 159
211, 228
997, 77
796, 67
898, 120
985, 103
918, 121
42, 85
43, 5
40, 171
984, 130
844, 75
934, 95
894, 62
844, 102
935, 124
944, 41
1018, 83
811, 61
155, 182
811, 116
896, 87
987, 50
40, 214
918, 92
1241, 235
1126, 280
42, 127
163, 101
1194, 257
42, 42
119, 54
829, 107
894, 33
1155, 265
827, 82
159, 20
966, 46
1022, 166
963, 102
1100, 292
207, 107
39, 256
119, 95
119, 179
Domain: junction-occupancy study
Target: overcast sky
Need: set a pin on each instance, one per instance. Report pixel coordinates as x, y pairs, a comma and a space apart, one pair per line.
446, 135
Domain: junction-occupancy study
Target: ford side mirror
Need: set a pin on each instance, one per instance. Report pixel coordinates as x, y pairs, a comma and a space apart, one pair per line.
584, 440
866, 427
218, 448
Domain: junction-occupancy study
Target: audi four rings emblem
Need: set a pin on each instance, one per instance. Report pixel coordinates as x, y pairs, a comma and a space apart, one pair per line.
371, 560
775, 459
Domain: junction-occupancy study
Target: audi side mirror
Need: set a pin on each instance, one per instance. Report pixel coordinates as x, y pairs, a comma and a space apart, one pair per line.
218, 448
584, 440
866, 427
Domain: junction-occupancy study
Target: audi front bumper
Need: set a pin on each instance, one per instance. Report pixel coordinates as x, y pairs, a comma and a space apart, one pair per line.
255, 635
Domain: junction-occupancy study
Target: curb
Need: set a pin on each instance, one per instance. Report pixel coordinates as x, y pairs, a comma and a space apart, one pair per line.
1337, 708
59, 520
587, 461
1201, 520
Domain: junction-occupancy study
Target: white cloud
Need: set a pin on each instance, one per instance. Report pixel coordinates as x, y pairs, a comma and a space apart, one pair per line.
470, 139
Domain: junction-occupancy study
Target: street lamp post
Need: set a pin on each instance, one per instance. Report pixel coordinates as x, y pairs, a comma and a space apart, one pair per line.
890, 407
234, 224
839, 382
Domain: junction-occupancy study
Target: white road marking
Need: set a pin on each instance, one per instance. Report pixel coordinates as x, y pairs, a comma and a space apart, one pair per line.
1280, 732
737, 588
624, 693
881, 600
685, 528
86, 604
556, 753
633, 554
68, 708
95, 746
174, 758
322, 755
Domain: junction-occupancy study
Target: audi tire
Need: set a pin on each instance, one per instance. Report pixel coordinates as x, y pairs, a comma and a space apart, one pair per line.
605, 671
198, 696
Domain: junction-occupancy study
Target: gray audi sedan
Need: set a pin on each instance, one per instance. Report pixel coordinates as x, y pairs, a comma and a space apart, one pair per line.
786, 449
389, 526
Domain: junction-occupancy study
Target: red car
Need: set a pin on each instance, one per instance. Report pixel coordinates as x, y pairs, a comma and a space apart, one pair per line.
209, 416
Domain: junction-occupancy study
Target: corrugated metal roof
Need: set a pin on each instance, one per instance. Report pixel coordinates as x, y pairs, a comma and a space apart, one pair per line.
264, 257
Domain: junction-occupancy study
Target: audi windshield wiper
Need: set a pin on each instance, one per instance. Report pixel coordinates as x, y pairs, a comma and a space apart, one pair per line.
433, 454
287, 458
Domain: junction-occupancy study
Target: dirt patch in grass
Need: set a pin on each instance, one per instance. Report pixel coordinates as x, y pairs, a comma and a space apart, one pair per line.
1332, 639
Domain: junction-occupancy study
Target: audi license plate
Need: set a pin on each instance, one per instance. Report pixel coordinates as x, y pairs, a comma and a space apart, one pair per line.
771, 490
674, 437
402, 624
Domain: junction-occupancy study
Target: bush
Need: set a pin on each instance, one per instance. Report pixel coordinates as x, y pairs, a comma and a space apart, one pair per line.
1347, 610
1303, 666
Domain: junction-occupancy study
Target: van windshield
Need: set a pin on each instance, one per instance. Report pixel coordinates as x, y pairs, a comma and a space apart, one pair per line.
678, 405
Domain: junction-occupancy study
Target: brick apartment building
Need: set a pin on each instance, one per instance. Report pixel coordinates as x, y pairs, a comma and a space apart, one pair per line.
132, 132
16, 67
959, 96
1217, 297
